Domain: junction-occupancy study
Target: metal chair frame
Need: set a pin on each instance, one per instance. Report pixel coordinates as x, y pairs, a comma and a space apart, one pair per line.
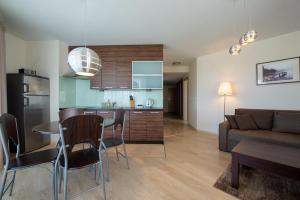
5, 146
116, 146
63, 151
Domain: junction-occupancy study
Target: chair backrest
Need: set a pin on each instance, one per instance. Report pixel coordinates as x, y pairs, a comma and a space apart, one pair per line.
119, 118
69, 112
9, 134
81, 129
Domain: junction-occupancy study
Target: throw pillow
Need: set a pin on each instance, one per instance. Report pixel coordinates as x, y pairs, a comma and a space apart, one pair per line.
286, 122
245, 122
232, 122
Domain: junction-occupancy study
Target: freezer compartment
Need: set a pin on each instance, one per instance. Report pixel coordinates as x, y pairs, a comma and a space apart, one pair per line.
36, 85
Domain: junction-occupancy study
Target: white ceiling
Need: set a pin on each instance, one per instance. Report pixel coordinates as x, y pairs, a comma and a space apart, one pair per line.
188, 28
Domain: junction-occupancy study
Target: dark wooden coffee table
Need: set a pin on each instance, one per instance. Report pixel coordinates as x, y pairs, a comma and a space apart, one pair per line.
277, 159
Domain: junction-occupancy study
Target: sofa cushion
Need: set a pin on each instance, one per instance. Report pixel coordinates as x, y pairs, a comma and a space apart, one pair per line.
236, 135
245, 122
262, 118
231, 120
287, 122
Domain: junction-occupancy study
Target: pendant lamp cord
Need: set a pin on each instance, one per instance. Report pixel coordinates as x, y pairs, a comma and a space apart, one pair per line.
84, 21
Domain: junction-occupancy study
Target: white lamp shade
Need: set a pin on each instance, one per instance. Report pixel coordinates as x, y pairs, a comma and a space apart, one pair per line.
225, 88
84, 61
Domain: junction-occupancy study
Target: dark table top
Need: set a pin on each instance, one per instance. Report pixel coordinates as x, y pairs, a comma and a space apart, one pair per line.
275, 153
110, 108
52, 127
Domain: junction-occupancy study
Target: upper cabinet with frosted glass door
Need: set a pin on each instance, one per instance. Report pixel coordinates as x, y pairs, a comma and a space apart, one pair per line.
147, 74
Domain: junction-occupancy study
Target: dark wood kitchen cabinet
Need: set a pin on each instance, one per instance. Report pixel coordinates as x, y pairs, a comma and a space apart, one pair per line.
108, 73
155, 126
96, 82
123, 75
146, 126
117, 60
138, 129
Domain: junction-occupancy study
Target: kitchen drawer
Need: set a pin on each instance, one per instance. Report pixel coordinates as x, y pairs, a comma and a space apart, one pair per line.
89, 112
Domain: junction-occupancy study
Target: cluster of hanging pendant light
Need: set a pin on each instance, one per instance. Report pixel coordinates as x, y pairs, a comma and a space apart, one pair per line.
247, 38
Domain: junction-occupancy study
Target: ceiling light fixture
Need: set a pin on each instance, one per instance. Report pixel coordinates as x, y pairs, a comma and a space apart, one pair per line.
82, 60
250, 36
242, 41
235, 49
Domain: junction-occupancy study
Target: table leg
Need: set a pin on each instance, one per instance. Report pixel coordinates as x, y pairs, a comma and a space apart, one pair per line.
235, 171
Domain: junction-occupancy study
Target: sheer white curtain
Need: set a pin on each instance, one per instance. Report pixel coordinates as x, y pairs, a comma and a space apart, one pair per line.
3, 107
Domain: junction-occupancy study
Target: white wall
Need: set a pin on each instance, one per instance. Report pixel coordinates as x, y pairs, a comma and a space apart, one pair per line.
192, 96
15, 53
63, 59
43, 56
241, 71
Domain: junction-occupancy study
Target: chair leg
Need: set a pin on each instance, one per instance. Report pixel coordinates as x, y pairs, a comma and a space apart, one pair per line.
12, 183
95, 171
4, 176
117, 152
65, 183
107, 165
54, 179
125, 153
60, 179
100, 172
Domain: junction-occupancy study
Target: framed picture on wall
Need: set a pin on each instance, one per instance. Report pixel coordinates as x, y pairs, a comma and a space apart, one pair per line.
278, 71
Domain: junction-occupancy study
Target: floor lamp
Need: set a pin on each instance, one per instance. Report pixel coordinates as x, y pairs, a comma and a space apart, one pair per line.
225, 89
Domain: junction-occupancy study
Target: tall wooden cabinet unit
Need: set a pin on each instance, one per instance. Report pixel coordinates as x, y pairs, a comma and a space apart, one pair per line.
117, 63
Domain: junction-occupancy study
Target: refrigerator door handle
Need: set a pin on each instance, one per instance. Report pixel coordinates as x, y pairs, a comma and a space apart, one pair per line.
26, 101
26, 87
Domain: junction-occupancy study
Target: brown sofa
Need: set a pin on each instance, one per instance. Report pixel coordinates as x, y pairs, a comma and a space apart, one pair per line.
275, 126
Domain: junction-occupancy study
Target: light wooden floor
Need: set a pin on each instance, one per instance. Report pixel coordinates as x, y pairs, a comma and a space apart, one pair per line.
192, 166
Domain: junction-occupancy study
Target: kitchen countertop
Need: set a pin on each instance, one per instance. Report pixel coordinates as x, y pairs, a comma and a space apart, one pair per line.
107, 108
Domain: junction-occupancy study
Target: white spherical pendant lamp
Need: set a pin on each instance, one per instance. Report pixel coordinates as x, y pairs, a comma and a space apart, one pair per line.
84, 61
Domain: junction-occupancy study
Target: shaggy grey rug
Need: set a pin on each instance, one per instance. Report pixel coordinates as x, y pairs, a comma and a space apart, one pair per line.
259, 185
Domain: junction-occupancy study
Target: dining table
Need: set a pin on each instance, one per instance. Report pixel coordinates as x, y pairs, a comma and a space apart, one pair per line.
50, 128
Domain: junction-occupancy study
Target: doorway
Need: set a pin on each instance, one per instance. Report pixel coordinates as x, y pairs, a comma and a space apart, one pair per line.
175, 96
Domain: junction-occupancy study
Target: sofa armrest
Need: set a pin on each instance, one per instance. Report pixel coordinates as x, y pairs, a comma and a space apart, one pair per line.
223, 135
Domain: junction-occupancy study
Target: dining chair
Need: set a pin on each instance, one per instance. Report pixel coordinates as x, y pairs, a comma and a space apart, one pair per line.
10, 138
69, 112
114, 140
77, 130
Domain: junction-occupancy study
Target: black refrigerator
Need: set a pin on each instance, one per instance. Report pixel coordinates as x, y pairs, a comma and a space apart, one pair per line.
28, 99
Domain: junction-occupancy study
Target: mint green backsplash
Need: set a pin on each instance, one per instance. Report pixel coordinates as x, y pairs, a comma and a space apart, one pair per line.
67, 92
85, 96
76, 92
